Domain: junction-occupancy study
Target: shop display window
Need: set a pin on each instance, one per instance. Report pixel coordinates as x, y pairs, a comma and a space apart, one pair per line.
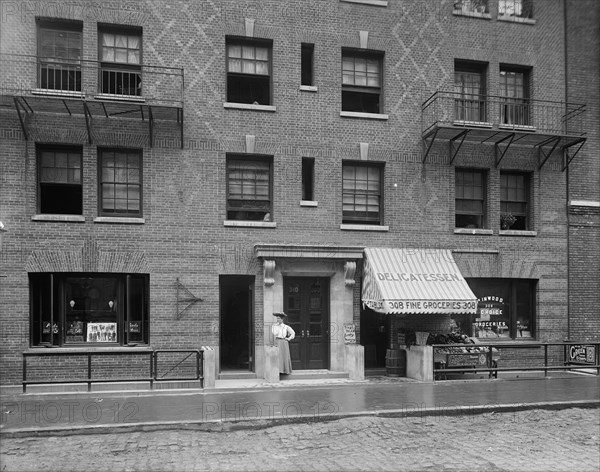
88, 309
505, 310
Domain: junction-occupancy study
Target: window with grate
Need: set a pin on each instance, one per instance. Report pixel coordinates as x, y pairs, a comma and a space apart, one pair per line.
59, 55
121, 60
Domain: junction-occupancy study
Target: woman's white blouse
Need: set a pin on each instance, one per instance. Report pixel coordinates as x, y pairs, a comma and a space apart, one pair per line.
283, 331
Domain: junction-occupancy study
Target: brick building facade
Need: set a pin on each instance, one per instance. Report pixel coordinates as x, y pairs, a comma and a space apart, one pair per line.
173, 173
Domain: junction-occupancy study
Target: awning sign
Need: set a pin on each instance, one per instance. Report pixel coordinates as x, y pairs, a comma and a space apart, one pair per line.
403, 281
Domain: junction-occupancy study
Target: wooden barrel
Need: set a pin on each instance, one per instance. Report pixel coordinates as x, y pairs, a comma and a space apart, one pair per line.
395, 363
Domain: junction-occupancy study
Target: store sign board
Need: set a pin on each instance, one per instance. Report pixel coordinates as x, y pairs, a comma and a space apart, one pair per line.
582, 354
350, 333
466, 359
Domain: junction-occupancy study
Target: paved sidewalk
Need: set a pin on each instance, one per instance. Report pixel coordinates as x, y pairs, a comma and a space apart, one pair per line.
242, 404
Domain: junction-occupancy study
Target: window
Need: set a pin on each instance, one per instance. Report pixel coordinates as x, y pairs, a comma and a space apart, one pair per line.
59, 175
308, 178
470, 93
470, 201
505, 309
59, 55
514, 201
516, 8
121, 59
514, 89
249, 189
362, 82
361, 194
472, 6
249, 71
120, 183
88, 309
307, 66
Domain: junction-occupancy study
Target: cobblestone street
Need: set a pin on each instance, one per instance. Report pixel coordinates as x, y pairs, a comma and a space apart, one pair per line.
530, 440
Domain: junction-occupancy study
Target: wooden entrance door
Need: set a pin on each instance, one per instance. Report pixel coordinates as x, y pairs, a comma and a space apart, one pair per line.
306, 302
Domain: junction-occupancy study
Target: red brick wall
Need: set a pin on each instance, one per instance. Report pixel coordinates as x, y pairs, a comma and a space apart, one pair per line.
185, 190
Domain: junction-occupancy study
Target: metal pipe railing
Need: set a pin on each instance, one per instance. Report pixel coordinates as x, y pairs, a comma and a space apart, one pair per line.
492, 368
89, 354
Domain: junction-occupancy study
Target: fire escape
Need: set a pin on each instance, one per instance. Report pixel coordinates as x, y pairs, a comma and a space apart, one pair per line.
503, 122
38, 86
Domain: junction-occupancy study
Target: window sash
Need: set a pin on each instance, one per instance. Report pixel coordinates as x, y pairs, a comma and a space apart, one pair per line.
121, 48
249, 187
121, 182
361, 193
361, 71
248, 59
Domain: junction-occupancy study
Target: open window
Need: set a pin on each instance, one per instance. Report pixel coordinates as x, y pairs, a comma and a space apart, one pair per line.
308, 178
121, 60
249, 71
59, 179
59, 55
470, 100
514, 90
362, 81
516, 8
514, 201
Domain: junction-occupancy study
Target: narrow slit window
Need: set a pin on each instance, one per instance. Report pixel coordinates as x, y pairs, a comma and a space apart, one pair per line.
307, 66
308, 178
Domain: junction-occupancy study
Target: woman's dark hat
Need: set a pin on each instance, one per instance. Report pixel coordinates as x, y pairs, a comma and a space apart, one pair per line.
280, 314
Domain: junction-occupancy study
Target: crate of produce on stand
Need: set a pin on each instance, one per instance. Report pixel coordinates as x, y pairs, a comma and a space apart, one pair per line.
462, 354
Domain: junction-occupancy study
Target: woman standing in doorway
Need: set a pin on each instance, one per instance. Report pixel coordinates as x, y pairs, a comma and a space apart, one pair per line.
283, 334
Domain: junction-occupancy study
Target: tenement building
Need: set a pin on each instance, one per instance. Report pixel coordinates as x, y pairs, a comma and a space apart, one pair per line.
172, 173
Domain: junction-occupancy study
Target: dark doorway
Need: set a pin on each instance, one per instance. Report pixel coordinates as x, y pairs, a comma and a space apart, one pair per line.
374, 330
236, 321
306, 302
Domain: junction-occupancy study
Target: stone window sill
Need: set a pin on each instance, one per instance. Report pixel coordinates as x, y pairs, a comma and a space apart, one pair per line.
375, 3
309, 88
120, 98
309, 203
516, 19
368, 116
57, 93
59, 218
250, 224
515, 232
249, 106
347, 227
472, 14
475, 231
122, 220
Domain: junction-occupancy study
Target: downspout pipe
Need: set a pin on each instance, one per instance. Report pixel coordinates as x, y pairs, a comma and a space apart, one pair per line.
566, 70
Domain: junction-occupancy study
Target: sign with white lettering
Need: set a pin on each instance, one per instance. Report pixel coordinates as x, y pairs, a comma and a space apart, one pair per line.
582, 354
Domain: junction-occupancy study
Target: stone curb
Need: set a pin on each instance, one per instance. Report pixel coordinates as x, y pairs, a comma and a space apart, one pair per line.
243, 424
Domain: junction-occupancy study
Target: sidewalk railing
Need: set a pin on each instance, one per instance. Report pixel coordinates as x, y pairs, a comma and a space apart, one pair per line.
175, 361
488, 357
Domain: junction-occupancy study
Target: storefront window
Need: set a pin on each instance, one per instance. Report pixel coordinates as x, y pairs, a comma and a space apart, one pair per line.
505, 310
88, 309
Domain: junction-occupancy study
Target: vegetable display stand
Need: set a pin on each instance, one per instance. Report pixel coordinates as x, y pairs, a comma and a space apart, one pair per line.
461, 360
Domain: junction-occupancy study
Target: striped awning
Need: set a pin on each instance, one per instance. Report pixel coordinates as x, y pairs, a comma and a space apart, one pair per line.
413, 281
